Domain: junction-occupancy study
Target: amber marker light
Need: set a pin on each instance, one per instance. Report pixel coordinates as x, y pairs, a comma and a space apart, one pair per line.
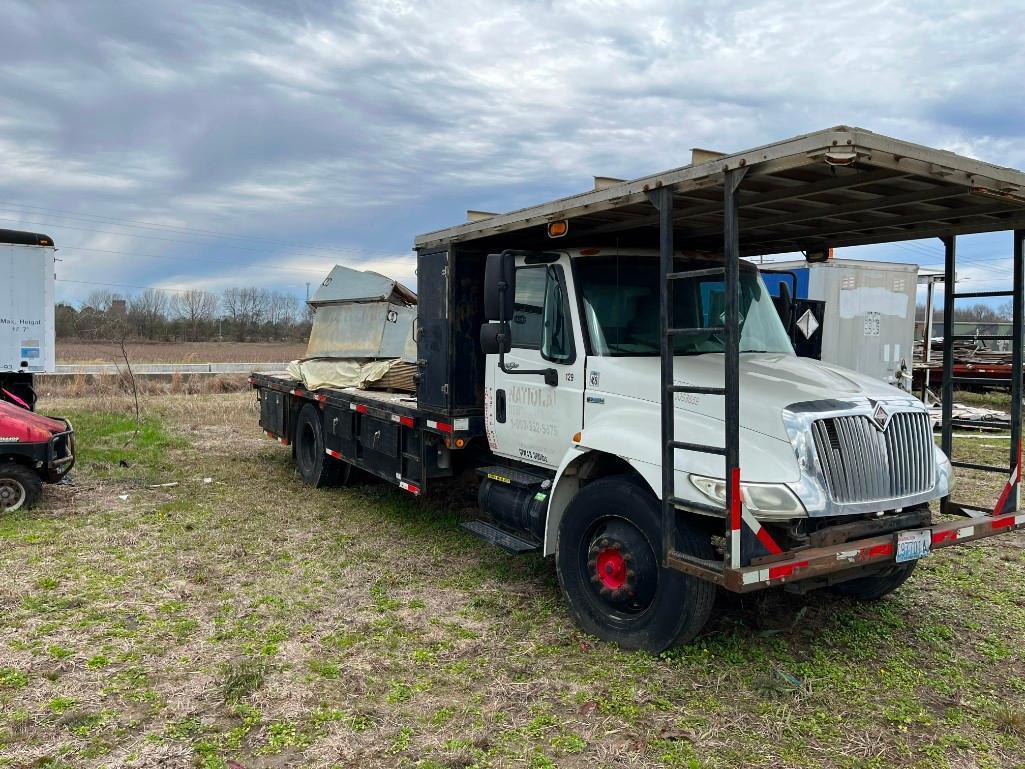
558, 229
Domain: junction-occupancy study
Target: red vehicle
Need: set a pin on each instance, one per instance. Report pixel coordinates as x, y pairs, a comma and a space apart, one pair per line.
34, 449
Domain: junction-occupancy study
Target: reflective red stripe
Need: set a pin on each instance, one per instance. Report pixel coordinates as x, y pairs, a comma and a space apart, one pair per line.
333, 453
1002, 523
406, 421
405, 485
321, 398
766, 539
943, 536
775, 572
445, 428
361, 408
878, 551
735, 499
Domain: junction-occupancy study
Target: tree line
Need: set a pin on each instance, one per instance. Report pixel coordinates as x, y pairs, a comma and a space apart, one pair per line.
975, 313
239, 314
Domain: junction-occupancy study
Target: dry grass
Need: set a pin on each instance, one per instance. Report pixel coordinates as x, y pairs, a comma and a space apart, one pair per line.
239, 616
77, 351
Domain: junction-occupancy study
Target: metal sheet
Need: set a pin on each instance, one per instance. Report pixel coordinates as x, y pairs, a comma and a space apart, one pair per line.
363, 330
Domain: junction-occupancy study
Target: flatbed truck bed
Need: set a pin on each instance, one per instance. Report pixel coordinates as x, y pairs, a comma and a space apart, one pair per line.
382, 433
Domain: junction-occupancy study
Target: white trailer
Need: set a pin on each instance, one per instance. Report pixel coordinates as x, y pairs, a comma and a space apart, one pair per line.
27, 345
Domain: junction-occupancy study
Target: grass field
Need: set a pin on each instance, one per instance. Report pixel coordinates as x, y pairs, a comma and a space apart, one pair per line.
77, 351
187, 602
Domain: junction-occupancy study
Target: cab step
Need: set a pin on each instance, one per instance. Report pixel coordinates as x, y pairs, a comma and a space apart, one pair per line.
521, 479
511, 543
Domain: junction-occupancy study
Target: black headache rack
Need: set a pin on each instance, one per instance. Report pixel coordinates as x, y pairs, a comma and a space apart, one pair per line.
838, 187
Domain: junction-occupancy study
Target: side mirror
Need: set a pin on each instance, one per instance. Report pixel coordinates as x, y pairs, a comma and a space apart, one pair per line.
499, 286
495, 338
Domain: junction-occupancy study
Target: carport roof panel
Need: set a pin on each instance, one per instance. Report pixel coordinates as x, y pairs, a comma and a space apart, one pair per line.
841, 186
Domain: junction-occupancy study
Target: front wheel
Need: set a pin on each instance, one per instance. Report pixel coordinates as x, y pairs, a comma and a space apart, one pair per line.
607, 559
20, 488
875, 586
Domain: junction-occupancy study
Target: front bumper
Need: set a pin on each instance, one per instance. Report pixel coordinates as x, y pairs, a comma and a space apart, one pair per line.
812, 562
60, 454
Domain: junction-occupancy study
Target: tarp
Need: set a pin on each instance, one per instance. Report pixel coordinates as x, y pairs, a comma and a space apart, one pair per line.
335, 372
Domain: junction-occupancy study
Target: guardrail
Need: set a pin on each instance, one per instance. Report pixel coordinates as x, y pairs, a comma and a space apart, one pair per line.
156, 369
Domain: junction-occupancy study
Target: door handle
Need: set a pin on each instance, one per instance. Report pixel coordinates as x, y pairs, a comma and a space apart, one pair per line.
500, 406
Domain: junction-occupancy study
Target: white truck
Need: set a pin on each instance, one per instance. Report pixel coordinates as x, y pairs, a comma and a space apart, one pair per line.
26, 313
634, 407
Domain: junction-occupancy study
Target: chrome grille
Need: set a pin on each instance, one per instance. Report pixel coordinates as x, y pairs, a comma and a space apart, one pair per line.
862, 463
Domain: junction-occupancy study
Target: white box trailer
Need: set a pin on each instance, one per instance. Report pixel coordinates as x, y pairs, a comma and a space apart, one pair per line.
27, 345
868, 321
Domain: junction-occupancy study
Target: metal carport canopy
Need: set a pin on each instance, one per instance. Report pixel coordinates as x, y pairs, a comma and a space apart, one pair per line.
841, 186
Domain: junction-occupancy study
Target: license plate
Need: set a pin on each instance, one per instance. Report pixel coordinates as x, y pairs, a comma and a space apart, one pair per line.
912, 545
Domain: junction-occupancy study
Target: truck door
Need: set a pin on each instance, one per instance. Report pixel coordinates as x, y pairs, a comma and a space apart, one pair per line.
526, 418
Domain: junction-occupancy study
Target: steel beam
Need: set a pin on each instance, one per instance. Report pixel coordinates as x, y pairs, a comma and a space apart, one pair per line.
731, 257
1012, 499
663, 200
947, 403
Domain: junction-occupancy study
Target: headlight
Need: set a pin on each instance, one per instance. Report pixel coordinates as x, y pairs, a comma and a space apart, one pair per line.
759, 497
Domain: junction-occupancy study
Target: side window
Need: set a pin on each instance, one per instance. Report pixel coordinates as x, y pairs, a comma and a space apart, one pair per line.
557, 345
528, 313
541, 319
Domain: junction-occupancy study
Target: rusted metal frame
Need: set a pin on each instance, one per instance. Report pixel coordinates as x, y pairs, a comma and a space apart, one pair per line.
947, 391
794, 192
819, 561
662, 199
924, 218
1012, 498
840, 212
698, 567
798, 242
731, 406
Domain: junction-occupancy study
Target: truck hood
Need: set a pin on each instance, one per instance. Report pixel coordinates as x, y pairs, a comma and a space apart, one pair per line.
17, 425
769, 382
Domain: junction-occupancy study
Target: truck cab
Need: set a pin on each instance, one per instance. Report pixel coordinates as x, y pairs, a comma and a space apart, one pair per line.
817, 440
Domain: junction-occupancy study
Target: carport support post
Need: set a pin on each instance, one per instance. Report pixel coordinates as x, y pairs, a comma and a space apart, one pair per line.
947, 396
662, 197
1012, 501
731, 258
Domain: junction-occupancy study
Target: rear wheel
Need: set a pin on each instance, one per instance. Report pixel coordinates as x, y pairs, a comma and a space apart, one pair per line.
607, 558
315, 466
19, 487
875, 586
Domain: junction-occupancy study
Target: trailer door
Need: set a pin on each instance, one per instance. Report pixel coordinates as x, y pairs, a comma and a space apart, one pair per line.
528, 419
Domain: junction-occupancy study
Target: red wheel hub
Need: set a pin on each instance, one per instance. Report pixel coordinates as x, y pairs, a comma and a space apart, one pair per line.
611, 568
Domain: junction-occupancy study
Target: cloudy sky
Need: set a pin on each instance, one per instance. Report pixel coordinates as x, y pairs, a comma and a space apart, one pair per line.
212, 143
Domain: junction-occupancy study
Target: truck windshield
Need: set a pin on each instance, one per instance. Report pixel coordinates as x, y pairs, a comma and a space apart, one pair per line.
620, 305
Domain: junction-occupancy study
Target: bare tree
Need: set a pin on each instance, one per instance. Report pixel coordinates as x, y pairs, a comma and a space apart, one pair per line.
148, 311
195, 308
245, 308
100, 299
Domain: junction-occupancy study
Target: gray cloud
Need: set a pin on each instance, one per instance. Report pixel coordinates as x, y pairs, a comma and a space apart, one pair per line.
356, 125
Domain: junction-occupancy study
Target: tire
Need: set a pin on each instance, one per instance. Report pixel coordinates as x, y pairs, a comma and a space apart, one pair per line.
607, 559
20, 487
315, 466
875, 586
